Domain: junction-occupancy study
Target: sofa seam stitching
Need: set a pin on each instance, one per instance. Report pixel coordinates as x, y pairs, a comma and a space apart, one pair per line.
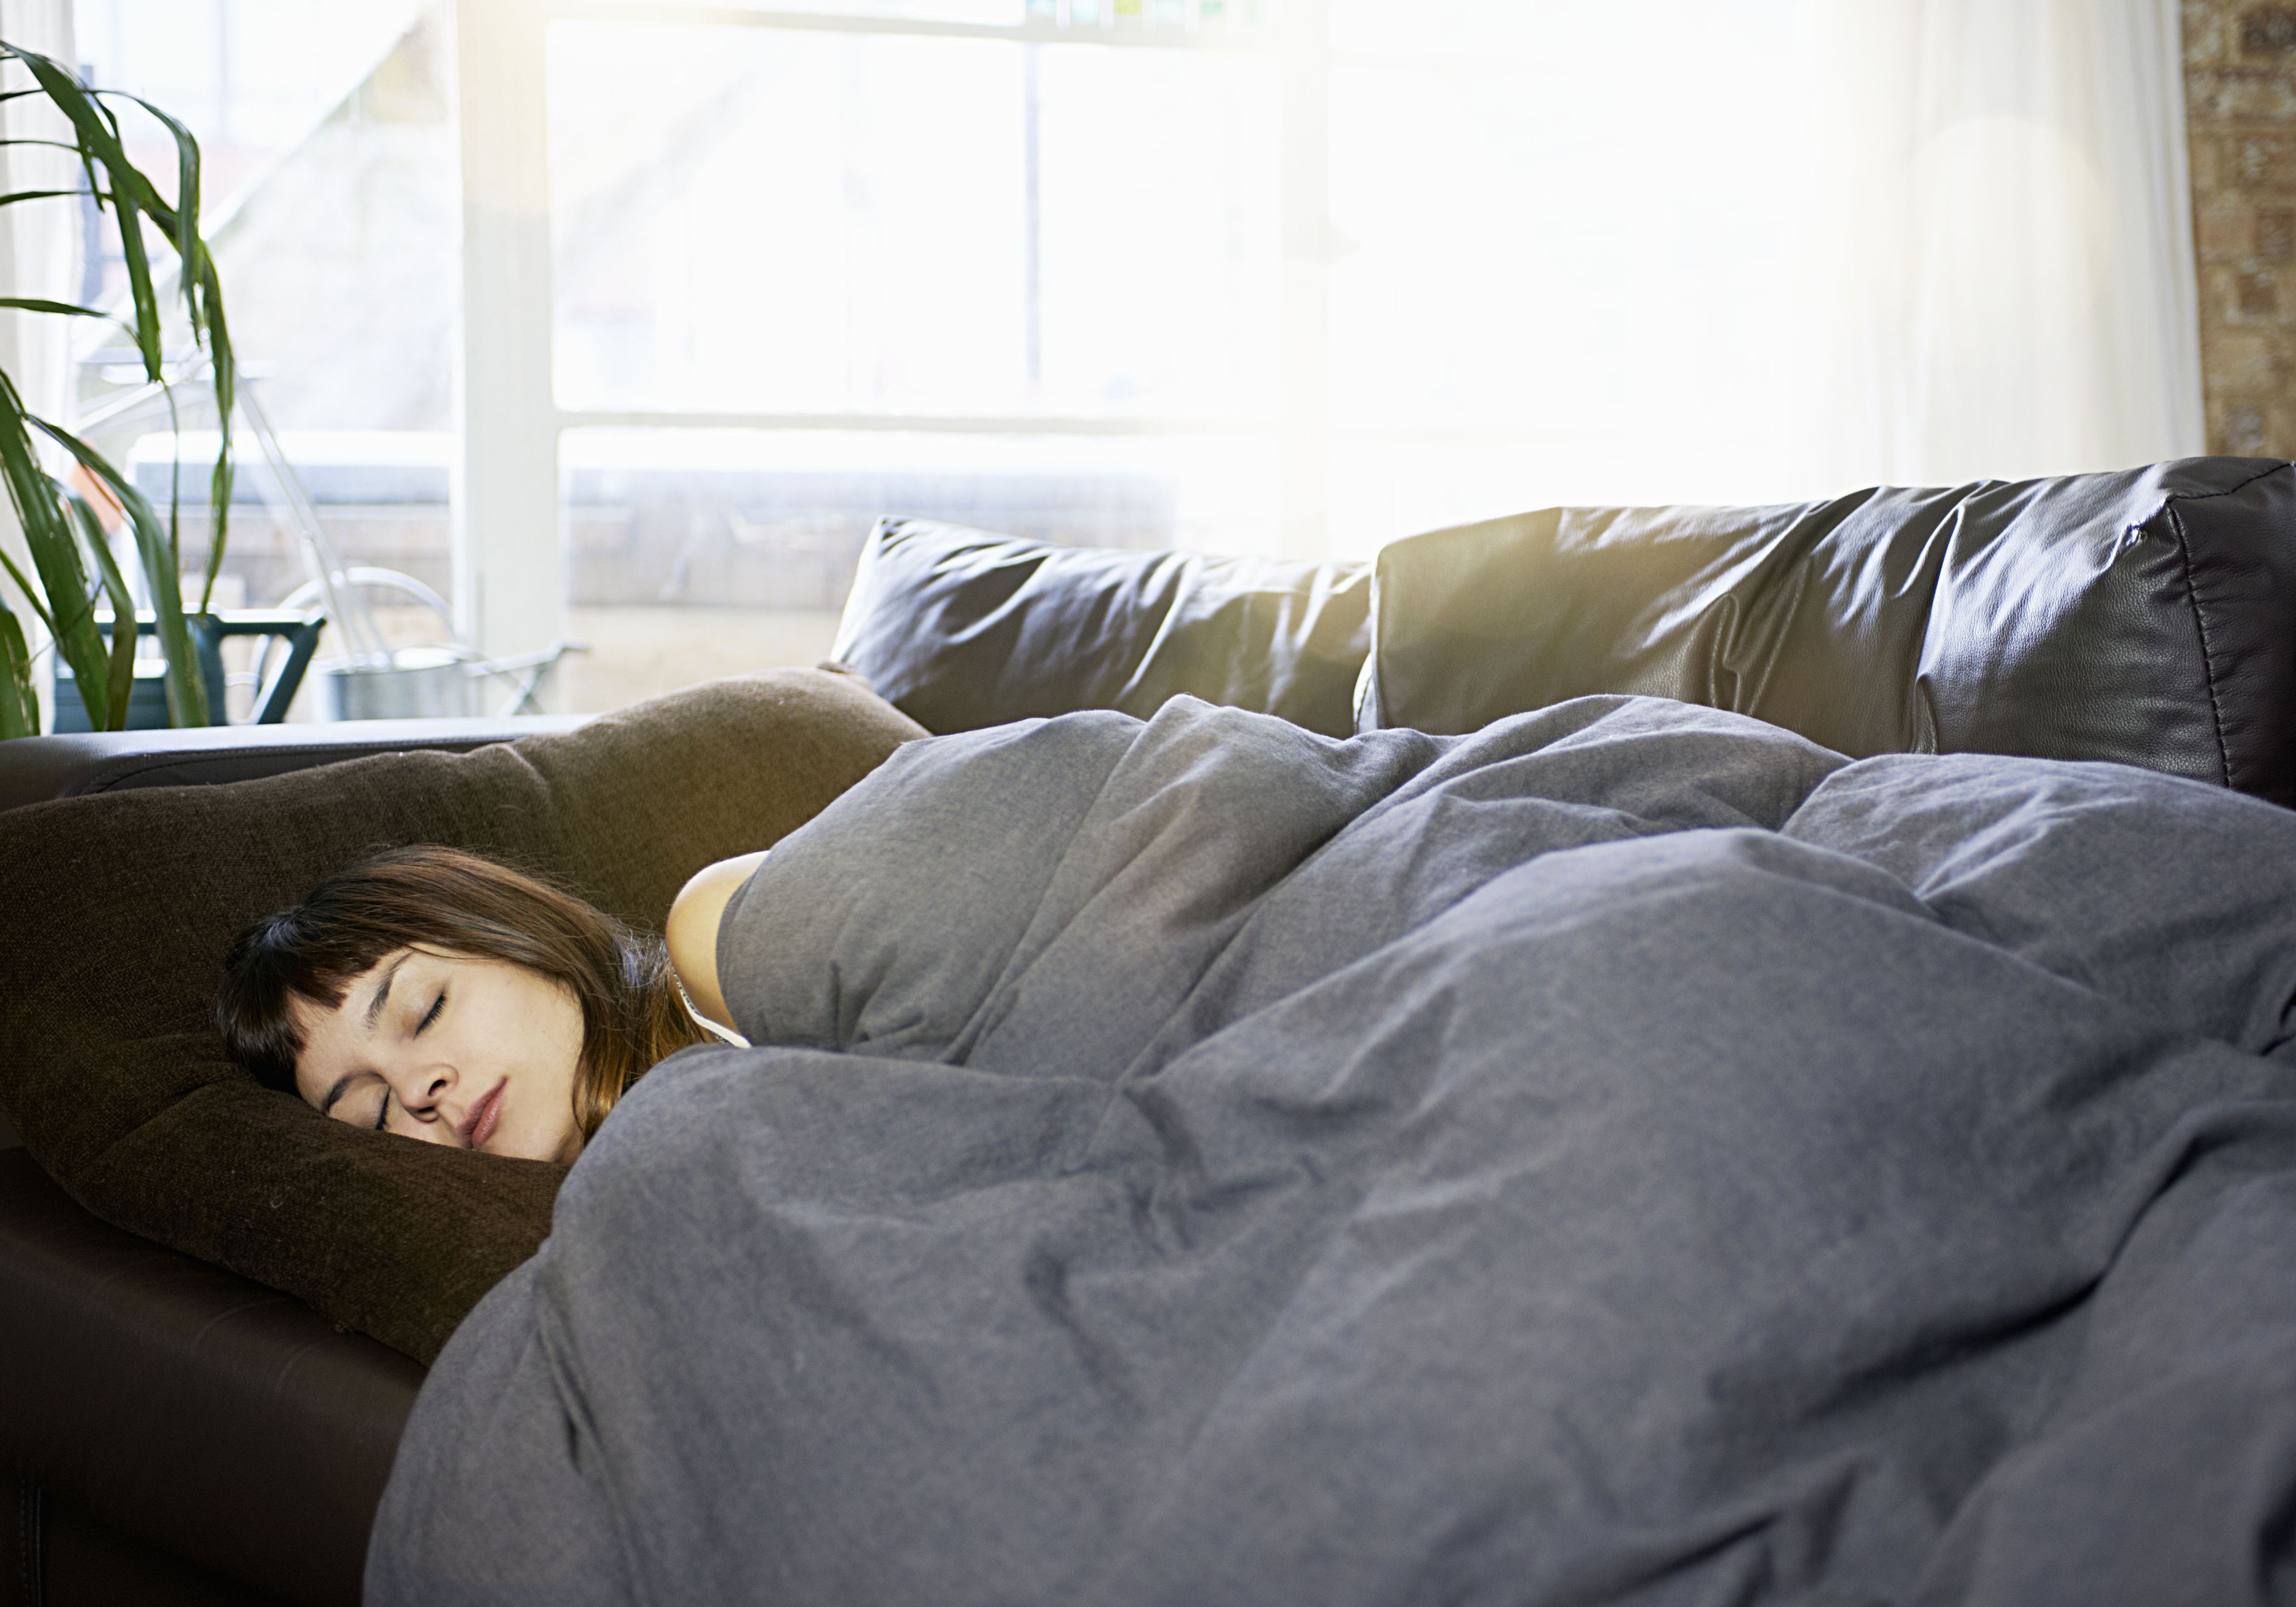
2201, 623
2278, 464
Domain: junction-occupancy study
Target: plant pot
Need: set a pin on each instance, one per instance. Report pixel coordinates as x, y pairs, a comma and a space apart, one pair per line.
147, 702
419, 683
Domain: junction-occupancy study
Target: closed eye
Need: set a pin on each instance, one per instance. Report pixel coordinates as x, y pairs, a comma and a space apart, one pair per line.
432, 1015
381, 1110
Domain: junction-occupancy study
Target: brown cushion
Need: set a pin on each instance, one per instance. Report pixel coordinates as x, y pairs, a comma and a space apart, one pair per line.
119, 907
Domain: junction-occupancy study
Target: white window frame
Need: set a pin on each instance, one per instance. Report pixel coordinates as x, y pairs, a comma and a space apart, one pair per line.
509, 568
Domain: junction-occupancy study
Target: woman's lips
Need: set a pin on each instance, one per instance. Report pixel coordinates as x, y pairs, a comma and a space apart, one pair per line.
479, 1124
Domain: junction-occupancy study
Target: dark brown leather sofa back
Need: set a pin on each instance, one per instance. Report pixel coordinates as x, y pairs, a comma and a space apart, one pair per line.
2147, 617
960, 628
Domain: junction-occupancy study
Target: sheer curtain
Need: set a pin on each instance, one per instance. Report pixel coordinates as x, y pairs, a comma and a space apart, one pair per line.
1741, 250
2000, 240
39, 256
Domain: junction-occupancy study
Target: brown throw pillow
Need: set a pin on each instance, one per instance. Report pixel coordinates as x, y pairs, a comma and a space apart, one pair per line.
118, 907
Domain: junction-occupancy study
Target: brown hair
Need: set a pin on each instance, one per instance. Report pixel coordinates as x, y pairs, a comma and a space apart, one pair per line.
463, 904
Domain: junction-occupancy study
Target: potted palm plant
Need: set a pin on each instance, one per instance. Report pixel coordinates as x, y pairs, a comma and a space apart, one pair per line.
63, 530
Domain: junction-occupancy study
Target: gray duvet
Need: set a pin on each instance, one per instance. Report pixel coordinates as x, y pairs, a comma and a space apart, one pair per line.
1628, 1154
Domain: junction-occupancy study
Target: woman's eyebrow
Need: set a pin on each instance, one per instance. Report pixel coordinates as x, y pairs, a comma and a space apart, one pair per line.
383, 994
336, 1093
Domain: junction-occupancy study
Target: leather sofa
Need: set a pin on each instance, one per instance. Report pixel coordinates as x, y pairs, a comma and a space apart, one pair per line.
171, 1432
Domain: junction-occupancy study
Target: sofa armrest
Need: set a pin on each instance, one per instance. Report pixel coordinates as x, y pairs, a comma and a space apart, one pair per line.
198, 1412
35, 769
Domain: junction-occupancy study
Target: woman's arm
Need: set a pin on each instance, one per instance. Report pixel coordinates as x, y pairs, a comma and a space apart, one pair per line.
692, 932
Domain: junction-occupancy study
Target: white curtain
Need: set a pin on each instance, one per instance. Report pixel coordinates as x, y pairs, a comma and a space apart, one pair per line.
2002, 279
39, 256
1744, 250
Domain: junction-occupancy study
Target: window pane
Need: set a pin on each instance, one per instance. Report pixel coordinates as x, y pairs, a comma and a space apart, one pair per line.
1470, 30
1161, 15
1161, 229
254, 80
693, 553
999, 13
332, 200
332, 208
1525, 247
380, 495
834, 223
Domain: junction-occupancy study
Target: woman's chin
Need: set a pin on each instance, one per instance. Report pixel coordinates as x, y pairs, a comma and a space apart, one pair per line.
561, 1145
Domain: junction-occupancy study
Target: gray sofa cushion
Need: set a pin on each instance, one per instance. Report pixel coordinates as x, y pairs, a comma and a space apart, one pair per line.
961, 629
2147, 617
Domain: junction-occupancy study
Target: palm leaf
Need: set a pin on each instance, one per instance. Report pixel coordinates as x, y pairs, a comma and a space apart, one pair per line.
31, 592
56, 555
175, 480
187, 193
226, 394
131, 194
19, 704
123, 606
187, 693
202, 291
96, 130
34, 304
139, 281
18, 696
133, 198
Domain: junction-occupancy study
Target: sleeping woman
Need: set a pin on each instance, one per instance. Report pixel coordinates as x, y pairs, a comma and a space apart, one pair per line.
438, 994
1626, 1153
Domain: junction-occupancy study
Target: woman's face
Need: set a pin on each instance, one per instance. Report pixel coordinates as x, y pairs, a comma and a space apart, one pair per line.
476, 1055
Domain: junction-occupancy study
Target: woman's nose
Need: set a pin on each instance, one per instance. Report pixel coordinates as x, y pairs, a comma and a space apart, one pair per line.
421, 1087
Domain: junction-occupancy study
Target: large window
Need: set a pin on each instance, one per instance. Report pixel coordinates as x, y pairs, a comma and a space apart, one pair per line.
621, 320
841, 223
331, 200
946, 260
1563, 258
1287, 278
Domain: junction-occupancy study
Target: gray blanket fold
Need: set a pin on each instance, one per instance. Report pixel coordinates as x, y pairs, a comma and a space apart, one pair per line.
1628, 1154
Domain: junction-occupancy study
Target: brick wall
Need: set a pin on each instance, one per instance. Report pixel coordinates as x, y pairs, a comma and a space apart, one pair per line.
2240, 89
